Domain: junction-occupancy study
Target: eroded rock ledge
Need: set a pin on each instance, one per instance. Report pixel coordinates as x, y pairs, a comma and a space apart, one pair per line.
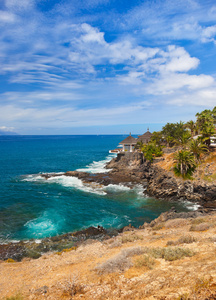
163, 184
130, 168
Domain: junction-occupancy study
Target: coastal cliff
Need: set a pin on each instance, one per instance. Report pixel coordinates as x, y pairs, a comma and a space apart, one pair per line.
157, 178
172, 257
161, 183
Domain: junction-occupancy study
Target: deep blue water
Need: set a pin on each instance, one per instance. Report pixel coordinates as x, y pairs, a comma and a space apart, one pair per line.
31, 207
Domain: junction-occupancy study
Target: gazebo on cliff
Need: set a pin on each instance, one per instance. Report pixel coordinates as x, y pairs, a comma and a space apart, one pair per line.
144, 138
128, 143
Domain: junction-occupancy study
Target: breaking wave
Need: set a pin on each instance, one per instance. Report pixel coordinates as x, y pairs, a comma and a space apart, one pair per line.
93, 187
98, 166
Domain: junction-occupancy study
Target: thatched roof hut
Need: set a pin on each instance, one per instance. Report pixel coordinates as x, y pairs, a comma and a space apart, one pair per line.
144, 138
129, 140
128, 143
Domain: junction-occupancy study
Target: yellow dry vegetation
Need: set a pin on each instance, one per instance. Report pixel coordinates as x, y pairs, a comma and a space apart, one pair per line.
172, 263
206, 170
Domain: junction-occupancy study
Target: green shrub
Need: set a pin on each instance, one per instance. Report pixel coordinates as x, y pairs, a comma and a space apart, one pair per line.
144, 261
185, 239
170, 253
151, 150
131, 238
200, 227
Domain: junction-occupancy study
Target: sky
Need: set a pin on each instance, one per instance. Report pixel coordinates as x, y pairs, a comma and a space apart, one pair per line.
105, 66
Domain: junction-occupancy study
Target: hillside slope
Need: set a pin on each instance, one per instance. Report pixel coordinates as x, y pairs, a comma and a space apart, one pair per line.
168, 259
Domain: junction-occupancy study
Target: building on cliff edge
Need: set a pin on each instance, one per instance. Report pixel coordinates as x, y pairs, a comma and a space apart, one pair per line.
129, 143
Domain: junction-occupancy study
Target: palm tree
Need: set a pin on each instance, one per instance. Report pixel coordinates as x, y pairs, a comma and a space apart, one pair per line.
183, 138
169, 139
204, 117
207, 131
192, 126
197, 148
185, 164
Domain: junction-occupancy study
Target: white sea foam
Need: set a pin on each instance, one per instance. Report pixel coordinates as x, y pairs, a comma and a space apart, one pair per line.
74, 182
139, 189
93, 187
191, 205
41, 226
116, 188
33, 177
98, 166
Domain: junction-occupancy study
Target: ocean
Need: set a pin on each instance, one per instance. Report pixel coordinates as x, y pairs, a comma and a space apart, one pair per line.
33, 207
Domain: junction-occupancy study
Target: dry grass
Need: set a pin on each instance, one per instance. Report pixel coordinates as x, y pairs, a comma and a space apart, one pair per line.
200, 227
158, 226
113, 243
198, 221
176, 223
66, 250
210, 178
150, 271
10, 260
16, 297
133, 251
119, 262
72, 287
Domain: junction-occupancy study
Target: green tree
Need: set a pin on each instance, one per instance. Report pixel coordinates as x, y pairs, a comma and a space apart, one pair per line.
174, 133
139, 145
151, 150
191, 125
203, 118
197, 148
157, 137
183, 138
185, 164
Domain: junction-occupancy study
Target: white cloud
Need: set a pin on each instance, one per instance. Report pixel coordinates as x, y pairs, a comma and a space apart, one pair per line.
6, 129
204, 98
169, 20
172, 83
208, 34
7, 17
92, 34
180, 60
77, 71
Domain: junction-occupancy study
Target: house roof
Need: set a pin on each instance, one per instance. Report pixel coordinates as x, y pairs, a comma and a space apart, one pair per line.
129, 140
146, 135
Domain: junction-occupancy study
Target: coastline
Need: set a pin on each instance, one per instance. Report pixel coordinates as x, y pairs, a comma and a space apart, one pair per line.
129, 169
171, 258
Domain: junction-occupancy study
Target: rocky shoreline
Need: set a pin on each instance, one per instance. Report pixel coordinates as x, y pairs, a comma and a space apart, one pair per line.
127, 169
160, 183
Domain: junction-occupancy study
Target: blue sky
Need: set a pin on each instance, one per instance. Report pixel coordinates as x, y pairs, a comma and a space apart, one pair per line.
105, 66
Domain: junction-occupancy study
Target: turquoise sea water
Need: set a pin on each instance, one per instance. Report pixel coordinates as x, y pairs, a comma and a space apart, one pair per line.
31, 207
